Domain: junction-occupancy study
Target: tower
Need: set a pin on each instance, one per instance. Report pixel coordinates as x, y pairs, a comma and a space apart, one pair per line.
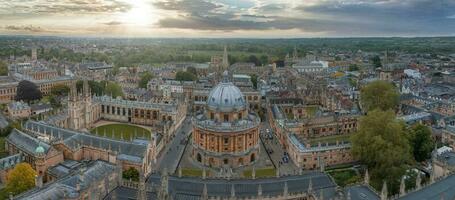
87, 104
34, 54
225, 63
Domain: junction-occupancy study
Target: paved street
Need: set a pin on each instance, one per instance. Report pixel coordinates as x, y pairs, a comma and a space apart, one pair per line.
172, 152
278, 152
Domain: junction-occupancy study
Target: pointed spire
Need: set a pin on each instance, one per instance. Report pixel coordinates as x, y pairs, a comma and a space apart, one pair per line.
285, 189
225, 64
205, 195
253, 173
384, 191
402, 187
349, 195
418, 181
86, 88
310, 186
366, 180
204, 173
260, 191
321, 194
232, 191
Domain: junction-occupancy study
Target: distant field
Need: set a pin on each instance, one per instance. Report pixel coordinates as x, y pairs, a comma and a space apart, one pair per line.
115, 131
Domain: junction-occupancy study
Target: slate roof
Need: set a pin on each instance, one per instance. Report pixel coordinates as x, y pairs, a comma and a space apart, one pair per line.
25, 142
10, 161
441, 188
191, 188
361, 192
66, 187
131, 151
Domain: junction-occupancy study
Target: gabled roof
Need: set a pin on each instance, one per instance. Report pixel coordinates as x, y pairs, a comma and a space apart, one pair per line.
26, 142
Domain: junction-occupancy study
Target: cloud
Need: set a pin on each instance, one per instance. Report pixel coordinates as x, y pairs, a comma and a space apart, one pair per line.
113, 23
63, 6
27, 28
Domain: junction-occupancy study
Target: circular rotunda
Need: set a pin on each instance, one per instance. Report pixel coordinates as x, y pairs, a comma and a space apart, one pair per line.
226, 134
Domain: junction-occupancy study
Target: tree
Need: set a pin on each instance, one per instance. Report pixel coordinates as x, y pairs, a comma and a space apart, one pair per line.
20, 179
192, 70
131, 173
379, 95
60, 90
27, 91
353, 67
376, 60
3, 68
381, 142
421, 142
113, 89
145, 78
254, 80
185, 76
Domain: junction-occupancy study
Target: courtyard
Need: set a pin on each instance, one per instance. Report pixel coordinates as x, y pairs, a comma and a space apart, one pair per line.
121, 131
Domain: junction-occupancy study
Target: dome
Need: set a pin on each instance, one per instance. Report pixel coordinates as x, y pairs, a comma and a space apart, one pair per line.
39, 149
226, 97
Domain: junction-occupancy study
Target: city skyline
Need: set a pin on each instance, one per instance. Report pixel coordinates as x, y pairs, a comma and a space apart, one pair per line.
228, 19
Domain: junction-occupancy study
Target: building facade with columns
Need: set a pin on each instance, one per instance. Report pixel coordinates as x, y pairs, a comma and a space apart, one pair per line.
226, 133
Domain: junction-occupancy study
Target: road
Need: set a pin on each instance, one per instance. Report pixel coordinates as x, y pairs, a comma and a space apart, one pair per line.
172, 152
278, 151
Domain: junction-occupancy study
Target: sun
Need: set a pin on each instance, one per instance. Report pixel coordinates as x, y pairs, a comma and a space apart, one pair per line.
141, 13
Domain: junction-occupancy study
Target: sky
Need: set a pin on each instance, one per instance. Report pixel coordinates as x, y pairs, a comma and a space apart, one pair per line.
228, 18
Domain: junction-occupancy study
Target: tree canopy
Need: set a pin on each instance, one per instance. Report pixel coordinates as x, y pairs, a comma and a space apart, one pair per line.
60, 90
381, 142
20, 179
421, 142
185, 76
27, 91
3, 68
376, 60
113, 89
131, 173
379, 95
145, 78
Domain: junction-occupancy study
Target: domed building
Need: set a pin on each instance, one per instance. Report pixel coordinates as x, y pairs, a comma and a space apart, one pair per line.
226, 133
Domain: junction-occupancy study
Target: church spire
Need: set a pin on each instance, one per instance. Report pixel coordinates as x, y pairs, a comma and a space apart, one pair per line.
225, 64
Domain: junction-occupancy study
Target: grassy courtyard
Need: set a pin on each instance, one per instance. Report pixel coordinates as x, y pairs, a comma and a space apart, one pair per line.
193, 172
116, 130
345, 177
260, 173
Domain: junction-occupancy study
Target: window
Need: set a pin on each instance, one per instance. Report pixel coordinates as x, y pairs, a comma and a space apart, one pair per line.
212, 116
226, 140
226, 117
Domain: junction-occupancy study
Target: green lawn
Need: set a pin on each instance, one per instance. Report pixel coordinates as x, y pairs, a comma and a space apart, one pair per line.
345, 177
330, 139
265, 172
115, 131
193, 172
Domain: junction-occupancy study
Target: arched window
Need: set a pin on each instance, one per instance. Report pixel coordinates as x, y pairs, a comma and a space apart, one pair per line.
199, 157
252, 158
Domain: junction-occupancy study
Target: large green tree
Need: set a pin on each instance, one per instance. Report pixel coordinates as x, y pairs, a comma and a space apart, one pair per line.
27, 91
376, 60
381, 142
20, 179
379, 95
421, 142
145, 78
3, 68
113, 89
185, 76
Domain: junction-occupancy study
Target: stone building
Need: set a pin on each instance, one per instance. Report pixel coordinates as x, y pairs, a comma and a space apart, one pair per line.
226, 133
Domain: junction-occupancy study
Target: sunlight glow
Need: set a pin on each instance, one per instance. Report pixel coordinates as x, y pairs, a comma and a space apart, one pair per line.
141, 14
